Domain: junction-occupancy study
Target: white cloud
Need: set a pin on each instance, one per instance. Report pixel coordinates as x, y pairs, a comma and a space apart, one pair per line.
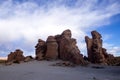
115, 51
28, 21
112, 49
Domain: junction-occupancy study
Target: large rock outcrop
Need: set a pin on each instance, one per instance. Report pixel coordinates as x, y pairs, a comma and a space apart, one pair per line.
95, 50
61, 46
16, 56
52, 48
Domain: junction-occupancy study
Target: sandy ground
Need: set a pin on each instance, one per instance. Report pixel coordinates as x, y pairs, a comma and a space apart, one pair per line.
42, 70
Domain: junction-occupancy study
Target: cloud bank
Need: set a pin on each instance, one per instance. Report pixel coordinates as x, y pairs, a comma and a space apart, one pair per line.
22, 23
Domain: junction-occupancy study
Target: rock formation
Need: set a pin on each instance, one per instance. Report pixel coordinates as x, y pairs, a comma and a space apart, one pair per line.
64, 47
68, 49
52, 48
60, 46
96, 53
40, 49
16, 56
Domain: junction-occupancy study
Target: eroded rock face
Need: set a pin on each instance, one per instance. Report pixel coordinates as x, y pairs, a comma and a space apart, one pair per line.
17, 55
97, 47
96, 53
68, 49
61, 46
67, 34
39, 57
52, 48
89, 48
40, 50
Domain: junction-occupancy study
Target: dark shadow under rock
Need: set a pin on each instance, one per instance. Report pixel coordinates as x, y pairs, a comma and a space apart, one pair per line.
98, 67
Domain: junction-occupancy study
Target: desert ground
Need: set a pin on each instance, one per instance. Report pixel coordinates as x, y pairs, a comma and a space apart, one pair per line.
43, 70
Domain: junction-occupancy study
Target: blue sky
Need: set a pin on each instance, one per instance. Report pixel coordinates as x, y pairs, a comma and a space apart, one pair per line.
23, 22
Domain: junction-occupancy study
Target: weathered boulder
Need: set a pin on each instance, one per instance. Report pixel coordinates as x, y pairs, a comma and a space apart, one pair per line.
40, 49
16, 56
52, 48
96, 52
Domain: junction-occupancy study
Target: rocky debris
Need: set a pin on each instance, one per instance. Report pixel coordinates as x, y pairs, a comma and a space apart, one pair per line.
9, 63
96, 52
64, 64
15, 57
114, 61
28, 58
52, 48
40, 50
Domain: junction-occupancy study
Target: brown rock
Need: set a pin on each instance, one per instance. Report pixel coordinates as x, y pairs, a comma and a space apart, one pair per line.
89, 48
28, 58
96, 53
52, 48
106, 55
39, 57
97, 47
117, 61
110, 59
67, 34
16, 56
58, 39
60, 46
96, 35
68, 49
11, 57
40, 49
